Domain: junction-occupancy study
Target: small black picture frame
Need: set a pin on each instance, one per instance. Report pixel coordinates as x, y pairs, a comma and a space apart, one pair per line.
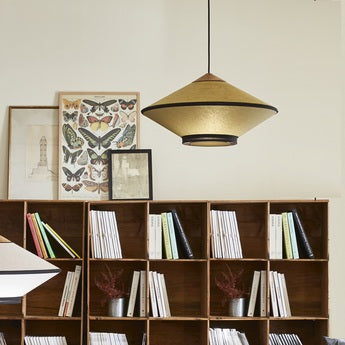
130, 174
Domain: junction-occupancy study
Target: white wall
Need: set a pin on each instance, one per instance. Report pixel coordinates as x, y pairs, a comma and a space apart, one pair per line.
287, 53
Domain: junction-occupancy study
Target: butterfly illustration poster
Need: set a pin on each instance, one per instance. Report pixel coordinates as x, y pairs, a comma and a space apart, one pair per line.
91, 124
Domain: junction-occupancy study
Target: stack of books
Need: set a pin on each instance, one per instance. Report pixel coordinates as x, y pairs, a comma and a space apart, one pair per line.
279, 295
135, 298
227, 336
40, 231
158, 295
225, 237
34, 340
167, 237
288, 238
69, 292
105, 240
284, 339
105, 338
2, 339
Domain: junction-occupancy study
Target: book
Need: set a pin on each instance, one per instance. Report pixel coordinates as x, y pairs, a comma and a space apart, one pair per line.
2, 339
181, 237
44, 236
61, 241
302, 236
286, 235
166, 236
293, 238
72, 291
172, 235
133, 293
153, 300
273, 232
34, 236
273, 296
164, 294
279, 236
285, 294
152, 236
142, 294
253, 293
263, 307
39, 236
64, 293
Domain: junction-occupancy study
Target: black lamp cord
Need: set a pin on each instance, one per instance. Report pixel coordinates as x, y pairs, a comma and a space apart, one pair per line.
208, 38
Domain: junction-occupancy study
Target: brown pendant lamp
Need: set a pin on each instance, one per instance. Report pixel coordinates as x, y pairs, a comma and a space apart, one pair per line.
209, 111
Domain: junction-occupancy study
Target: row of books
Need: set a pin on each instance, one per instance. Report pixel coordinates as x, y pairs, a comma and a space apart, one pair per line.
40, 231
225, 237
2, 339
51, 340
227, 336
158, 295
105, 239
278, 295
288, 238
284, 339
167, 237
137, 300
69, 292
105, 338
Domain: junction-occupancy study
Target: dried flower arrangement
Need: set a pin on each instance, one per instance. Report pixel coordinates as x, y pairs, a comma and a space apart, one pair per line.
231, 284
111, 284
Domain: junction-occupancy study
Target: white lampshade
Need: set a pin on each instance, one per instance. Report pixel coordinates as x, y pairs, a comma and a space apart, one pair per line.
21, 271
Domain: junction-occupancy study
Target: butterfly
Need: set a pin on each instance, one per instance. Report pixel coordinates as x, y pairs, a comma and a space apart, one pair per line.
73, 176
74, 188
82, 121
104, 141
127, 136
70, 116
73, 141
127, 117
97, 174
95, 158
69, 154
101, 124
71, 104
82, 160
98, 106
130, 104
95, 187
83, 108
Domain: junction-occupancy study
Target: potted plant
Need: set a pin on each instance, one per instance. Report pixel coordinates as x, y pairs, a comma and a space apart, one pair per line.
113, 287
232, 287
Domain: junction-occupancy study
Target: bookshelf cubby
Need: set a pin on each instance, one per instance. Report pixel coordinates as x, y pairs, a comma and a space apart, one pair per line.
195, 301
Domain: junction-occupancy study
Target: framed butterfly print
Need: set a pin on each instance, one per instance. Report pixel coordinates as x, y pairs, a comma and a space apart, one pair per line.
90, 125
33, 152
130, 174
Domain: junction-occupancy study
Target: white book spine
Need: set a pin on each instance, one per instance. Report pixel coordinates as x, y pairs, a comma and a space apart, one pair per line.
152, 236
263, 308
64, 294
253, 293
159, 233
279, 236
74, 289
142, 294
153, 299
273, 296
273, 231
133, 293
165, 295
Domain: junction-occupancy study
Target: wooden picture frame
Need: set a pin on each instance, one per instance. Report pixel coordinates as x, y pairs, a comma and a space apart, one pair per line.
91, 124
130, 174
32, 152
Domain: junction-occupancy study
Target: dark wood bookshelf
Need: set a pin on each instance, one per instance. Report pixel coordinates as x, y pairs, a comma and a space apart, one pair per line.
195, 301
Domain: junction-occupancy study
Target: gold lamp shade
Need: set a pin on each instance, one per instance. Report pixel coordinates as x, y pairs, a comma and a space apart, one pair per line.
209, 112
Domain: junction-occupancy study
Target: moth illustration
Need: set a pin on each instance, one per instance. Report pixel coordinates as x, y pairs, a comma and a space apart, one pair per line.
83, 108
99, 106
96, 158
70, 116
82, 121
127, 136
101, 124
70, 155
96, 174
73, 176
98, 141
74, 188
71, 104
82, 160
73, 141
125, 118
127, 104
92, 186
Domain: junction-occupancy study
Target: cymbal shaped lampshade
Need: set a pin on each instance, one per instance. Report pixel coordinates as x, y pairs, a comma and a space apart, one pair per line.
209, 112
21, 271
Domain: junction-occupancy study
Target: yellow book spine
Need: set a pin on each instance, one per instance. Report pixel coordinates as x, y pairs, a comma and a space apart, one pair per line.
166, 237
287, 239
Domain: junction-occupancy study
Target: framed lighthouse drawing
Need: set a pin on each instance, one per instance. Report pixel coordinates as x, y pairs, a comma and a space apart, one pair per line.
33, 152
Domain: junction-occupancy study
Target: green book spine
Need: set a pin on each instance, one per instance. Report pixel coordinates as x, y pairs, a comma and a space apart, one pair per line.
44, 236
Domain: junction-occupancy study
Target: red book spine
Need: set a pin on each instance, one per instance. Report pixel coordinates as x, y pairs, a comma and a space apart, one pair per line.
34, 236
